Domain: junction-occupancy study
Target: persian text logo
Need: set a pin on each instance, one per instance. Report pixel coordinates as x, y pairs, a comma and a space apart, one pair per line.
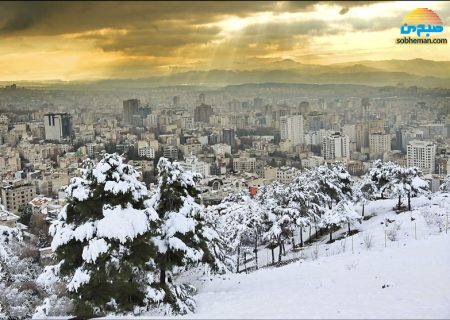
424, 23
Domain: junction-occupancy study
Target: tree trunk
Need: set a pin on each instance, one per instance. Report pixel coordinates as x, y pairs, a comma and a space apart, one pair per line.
279, 251
331, 234
349, 228
293, 242
162, 277
284, 248
409, 201
362, 210
301, 237
256, 251
245, 261
273, 255
309, 234
238, 258
399, 202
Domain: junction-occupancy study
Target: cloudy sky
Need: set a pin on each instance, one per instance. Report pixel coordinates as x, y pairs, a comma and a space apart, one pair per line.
93, 40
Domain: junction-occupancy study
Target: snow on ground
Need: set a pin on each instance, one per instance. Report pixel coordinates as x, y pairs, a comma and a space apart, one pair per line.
329, 281
374, 228
340, 286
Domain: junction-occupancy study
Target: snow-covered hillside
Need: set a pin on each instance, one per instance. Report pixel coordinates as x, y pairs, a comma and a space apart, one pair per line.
415, 278
399, 277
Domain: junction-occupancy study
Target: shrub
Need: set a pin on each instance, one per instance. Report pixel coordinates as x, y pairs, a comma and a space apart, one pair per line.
368, 240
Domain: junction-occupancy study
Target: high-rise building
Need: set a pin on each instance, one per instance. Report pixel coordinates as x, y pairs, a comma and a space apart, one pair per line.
151, 121
201, 98
130, 111
362, 137
202, 113
350, 131
292, 129
229, 137
303, 107
58, 126
404, 136
365, 109
176, 101
336, 146
421, 154
187, 122
316, 121
379, 143
376, 125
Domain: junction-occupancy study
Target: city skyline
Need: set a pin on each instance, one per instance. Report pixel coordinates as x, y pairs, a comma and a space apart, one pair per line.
104, 40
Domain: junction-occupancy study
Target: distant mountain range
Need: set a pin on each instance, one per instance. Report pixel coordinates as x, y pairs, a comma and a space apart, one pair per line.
416, 72
423, 73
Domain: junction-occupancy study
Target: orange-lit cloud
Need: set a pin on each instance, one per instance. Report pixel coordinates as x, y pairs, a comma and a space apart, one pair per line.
92, 40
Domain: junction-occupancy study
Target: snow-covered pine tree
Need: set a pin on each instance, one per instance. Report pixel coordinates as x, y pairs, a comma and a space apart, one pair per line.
343, 180
364, 191
220, 245
334, 184
333, 181
318, 201
305, 203
242, 222
409, 182
183, 237
276, 221
102, 241
340, 215
254, 221
233, 226
445, 186
382, 174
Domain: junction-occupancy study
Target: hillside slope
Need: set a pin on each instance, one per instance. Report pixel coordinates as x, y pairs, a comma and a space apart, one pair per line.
342, 286
337, 283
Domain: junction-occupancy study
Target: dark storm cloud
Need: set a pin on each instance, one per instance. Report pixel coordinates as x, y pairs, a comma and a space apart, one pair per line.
155, 41
344, 10
44, 18
161, 29
49, 18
